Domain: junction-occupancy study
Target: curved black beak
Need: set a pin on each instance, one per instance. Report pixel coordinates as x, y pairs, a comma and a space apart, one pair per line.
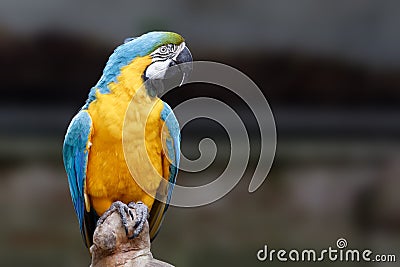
184, 60
184, 56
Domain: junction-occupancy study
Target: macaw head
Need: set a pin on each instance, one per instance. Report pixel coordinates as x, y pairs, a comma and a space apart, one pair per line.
153, 54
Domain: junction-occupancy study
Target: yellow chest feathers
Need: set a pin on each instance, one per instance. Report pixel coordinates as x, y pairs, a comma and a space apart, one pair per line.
108, 177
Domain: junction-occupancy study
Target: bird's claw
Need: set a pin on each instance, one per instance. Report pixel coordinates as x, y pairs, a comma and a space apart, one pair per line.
142, 214
126, 216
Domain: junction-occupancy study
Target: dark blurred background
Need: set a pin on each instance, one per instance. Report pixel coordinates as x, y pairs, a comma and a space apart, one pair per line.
329, 69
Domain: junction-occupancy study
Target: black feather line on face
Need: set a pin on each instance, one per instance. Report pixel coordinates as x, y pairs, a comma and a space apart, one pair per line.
170, 53
160, 59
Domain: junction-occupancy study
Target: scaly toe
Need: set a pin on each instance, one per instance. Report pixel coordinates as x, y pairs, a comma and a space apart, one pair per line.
141, 217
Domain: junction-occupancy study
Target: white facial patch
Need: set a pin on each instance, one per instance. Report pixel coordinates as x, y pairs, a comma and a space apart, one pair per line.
157, 69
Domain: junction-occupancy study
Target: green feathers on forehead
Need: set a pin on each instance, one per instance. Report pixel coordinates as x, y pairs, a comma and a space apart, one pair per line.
150, 41
168, 38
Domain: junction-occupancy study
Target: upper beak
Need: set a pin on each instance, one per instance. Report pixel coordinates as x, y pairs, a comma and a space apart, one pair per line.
184, 61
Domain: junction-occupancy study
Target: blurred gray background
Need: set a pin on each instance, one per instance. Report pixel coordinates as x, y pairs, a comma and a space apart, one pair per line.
329, 69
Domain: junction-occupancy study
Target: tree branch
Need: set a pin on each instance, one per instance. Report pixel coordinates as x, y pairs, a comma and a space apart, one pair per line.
111, 247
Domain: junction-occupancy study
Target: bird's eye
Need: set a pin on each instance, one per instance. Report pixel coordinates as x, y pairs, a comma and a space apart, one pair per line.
163, 49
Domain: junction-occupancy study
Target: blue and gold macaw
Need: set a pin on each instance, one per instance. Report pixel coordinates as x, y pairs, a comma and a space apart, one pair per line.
93, 152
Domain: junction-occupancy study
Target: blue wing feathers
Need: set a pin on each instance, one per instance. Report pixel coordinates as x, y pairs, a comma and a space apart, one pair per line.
75, 155
171, 137
173, 147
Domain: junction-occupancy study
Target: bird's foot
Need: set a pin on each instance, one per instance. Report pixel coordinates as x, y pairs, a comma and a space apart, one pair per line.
142, 214
122, 209
127, 216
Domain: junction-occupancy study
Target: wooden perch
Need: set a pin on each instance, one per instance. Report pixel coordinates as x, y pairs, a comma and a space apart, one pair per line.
111, 246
